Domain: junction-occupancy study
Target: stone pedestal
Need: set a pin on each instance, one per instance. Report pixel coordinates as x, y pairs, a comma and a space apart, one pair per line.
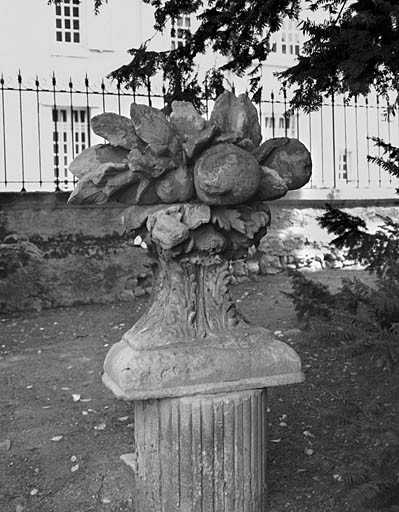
198, 373
205, 453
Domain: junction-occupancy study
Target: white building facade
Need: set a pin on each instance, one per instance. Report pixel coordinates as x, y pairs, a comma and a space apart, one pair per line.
54, 60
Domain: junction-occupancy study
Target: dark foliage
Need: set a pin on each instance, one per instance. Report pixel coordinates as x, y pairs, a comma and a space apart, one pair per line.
354, 50
363, 321
389, 160
378, 251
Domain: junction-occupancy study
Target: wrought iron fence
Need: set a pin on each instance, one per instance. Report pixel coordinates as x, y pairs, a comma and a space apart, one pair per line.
45, 123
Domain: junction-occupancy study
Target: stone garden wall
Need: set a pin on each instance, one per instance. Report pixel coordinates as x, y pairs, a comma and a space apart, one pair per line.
53, 254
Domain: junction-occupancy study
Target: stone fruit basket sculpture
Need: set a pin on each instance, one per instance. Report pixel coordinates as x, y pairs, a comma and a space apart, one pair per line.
198, 193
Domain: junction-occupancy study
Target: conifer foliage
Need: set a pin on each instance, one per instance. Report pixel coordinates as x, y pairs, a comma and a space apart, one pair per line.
362, 321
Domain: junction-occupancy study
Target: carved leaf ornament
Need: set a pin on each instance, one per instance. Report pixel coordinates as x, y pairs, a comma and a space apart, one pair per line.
192, 186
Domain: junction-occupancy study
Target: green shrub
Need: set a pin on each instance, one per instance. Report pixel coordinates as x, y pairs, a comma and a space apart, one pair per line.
362, 321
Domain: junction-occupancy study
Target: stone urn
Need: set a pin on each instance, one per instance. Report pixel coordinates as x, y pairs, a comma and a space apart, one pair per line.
196, 372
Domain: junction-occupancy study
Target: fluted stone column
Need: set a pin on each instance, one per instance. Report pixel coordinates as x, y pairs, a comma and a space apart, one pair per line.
197, 375
205, 453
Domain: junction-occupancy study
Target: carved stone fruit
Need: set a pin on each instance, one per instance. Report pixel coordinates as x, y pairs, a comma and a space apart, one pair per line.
91, 158
200, 141
166, 229
152, 127
272, 185
99, 185
208, 240
136, 216
140, 192
237, 115
186, 120
118, 130
293, 163
264, 150
175, 186
226, 174
195, 214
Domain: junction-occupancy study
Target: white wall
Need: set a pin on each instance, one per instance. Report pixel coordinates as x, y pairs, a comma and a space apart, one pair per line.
28, 42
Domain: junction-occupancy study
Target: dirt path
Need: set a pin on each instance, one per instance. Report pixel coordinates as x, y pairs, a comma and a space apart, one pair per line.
67, 431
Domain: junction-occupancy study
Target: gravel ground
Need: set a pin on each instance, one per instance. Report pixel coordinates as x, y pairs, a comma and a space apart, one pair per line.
66, 431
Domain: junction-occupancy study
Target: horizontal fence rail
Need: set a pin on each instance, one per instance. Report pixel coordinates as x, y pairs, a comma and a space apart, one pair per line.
45, 123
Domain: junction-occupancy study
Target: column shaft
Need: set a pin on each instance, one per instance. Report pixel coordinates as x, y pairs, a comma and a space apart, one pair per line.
203, 453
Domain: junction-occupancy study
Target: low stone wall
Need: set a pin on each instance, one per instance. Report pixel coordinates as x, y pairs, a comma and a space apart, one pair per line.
296, 241
61, 255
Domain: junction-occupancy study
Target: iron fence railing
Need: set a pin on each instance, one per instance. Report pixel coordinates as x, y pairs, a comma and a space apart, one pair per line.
44, 123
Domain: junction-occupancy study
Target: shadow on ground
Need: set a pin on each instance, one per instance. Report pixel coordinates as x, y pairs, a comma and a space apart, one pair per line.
67, 431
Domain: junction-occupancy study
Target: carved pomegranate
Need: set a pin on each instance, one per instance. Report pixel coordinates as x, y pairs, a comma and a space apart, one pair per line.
225, 174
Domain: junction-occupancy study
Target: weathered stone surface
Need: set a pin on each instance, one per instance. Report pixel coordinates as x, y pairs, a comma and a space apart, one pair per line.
152, 127
191, 340
91, 158
264, 150
256, 219
225, 174
175, 186
165, 227
198, 142
293, 163
186, 121
195, 214
272, 185
237, 115
228, 138
141, 192
148, 165
246, 144
208, 240
97, 187
118, 130
191, 453
158, 164
74, 269
136, 216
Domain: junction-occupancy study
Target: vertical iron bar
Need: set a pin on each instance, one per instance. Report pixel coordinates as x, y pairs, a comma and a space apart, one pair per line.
21, 123
88, 110
72, 122
346, 141
38, 131
333, 138
368, 141
322, 145
285, 112
273, 124
310, 144
389, 135
378, 136
149, 93
56, 141
206, 99
164, 97
4, 129
103, 94
118, 89
260, 109
103, 100
297, 124
357, 146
